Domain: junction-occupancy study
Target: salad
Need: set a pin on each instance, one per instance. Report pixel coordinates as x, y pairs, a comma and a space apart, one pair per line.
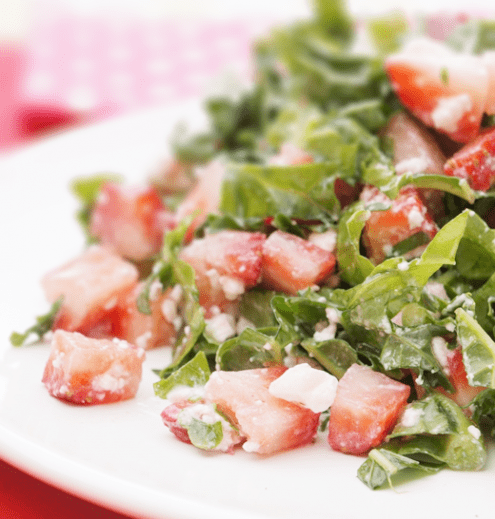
320, 262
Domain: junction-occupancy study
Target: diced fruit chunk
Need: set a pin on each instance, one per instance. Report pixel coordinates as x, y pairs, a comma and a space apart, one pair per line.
82, 370
453, 366
226, 263
131, 220
475, 162
91, 286
146, 331
178, 415
444, 89
416, 151
270, 424
204, 197
291, 263
406, 217
365, 409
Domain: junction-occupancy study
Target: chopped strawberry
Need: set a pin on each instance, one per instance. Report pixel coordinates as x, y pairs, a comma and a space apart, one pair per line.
146, 331
177, 415
92, 285
169, 417
475, 162
82, 370
173, 177
416, 151
444, 89
204, 197
130, 220
291, 155
365, 409
226, 263
488, 58
453, 366
346, 193
270, 424
406, 217
291, 263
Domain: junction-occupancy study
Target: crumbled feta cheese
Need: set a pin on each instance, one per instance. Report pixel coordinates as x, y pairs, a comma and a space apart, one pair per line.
250, 446
220, 327
411, 417
474, 432
450, 110
169, 310
232, 287
108, 382
207, 414
326, 334
180, 393
412, 165
441, 352
310, 387
415, 218
325, 240
142, 340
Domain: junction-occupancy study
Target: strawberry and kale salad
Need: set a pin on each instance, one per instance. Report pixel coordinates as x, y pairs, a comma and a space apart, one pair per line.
322, 258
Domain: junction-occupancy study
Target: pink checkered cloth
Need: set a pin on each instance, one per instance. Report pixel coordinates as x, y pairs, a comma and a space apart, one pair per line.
76, 69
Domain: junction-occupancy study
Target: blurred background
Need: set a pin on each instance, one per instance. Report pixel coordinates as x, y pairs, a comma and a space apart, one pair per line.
66, 62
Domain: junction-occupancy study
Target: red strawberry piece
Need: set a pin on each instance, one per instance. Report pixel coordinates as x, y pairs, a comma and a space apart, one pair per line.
83, 370
366, 408
291, 263
270, 424
475, 162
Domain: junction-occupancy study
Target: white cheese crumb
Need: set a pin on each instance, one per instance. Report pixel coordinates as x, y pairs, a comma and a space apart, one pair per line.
250, 446
412, 165
415, 218
169, 310
143, 339
220, 327
326, 334
108, 382
232, 287
441, 352
325, 240
449, 111
186, 393
312, 388
411, 417
474, 432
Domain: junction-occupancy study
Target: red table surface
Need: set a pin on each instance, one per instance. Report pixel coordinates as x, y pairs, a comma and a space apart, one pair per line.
25, 497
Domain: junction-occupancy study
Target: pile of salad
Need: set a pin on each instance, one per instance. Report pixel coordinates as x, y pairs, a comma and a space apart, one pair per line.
320, 261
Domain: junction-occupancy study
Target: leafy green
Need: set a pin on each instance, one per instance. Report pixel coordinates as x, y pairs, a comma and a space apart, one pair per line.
478, 350
86, 190
335, 355
383, 464
354, 267
44, 323
251, 349
304, 191
203, 435
441, 432
194, 373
